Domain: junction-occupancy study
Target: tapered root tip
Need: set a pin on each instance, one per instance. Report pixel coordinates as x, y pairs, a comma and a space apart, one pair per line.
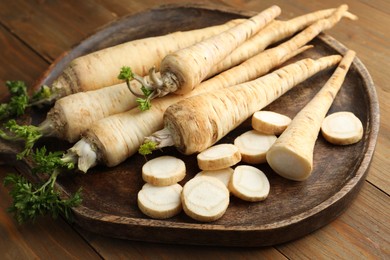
289, 164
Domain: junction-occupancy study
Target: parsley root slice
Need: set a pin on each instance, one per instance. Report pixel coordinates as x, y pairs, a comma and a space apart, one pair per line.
253, 146
291, 156
112, 149
269, 122
249, 183
223, 175
163, 171
100, 69
160, 202
218, 157
342, 128
205, 198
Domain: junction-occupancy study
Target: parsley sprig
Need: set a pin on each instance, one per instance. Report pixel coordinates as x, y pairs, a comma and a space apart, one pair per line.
33, 200
19, 99
147, 148
144, 102
29, 133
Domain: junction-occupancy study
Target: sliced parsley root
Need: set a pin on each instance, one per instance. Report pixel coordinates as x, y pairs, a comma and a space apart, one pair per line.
33, 200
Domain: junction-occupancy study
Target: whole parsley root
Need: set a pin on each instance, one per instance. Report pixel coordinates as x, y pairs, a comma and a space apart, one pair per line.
291, 156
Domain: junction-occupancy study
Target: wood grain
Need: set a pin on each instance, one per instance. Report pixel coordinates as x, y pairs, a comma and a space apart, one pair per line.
365, 35
18, 58
365, 219
23, 17
55, 237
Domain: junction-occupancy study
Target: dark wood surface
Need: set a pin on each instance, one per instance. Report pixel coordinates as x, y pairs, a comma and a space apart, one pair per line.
33, 37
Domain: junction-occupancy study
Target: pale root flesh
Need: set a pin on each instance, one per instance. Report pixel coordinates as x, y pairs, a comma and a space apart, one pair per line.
291, 156
185, 69
223, 175
163, 171
101, 68
249, 183
342, 128
253, 146
269, 122
160, 202
200, 121
218, 157
205, 198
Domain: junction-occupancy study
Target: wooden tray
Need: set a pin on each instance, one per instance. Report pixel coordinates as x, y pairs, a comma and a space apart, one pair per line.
292, 210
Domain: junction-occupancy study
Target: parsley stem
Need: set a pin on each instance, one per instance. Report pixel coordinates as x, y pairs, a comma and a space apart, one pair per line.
51, 181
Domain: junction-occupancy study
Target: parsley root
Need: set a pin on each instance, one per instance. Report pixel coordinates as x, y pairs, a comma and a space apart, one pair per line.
291, 156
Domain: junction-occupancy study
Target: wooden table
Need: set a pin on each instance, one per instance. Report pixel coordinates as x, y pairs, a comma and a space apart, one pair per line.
34, 33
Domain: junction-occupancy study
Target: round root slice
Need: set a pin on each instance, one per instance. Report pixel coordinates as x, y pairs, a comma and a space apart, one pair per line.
218, 157
223, 175
205, 198
342, 128
163, 171
160, 202
249, 183
268, 122
253, 146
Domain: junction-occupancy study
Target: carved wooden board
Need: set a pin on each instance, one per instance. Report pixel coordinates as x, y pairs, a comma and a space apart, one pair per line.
292, 210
